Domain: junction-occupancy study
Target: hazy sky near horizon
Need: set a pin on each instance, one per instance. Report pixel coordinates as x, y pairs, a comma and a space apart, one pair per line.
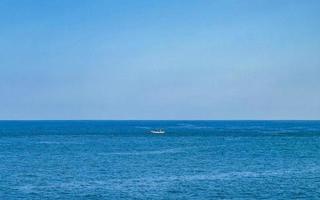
146, 59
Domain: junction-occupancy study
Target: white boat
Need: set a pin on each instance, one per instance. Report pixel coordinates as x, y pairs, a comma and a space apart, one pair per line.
160, 131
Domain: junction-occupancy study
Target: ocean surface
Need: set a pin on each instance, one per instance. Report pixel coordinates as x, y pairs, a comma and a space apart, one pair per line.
193, 160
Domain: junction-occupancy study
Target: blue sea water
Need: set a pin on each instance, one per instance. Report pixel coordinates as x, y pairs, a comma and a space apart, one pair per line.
193, 160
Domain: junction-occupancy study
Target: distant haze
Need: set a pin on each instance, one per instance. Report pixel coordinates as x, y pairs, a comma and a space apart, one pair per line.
148, 59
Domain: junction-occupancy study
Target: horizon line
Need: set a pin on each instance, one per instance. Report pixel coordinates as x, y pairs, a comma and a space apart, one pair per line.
159, 119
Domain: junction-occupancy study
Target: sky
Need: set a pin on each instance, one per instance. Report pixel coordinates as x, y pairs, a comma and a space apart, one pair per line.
159, 59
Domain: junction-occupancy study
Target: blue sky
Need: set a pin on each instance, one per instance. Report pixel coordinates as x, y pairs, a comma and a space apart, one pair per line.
217, 59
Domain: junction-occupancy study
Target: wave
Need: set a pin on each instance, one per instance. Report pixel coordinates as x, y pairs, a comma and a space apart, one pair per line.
58, 143
167, 151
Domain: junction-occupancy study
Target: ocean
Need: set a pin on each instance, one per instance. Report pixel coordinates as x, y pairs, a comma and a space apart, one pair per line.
192, 160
